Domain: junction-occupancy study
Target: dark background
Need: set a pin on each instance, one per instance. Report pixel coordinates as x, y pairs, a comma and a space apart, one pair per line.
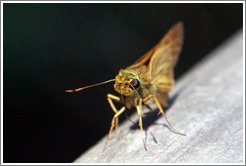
49, 48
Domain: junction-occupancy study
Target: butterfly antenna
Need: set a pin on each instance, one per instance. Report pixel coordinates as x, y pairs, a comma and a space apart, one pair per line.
85, 87
135, 92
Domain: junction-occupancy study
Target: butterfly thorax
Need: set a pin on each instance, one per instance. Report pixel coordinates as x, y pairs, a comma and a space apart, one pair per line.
132, 84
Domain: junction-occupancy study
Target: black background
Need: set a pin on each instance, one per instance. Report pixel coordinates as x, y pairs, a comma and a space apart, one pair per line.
49, 48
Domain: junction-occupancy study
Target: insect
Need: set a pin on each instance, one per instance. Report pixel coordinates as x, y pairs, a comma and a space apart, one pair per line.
148, 80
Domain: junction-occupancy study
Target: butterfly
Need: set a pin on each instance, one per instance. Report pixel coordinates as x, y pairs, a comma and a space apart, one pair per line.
148, 80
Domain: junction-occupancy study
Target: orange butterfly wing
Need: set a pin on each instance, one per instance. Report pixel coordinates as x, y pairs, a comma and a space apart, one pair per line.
165, 57
162, 58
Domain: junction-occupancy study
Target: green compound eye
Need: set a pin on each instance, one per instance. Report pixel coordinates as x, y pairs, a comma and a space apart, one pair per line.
135, 82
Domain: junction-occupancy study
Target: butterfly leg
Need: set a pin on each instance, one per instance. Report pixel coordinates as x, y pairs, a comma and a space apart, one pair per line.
113, 123
162, 112
141, 124
113, 120
111, 97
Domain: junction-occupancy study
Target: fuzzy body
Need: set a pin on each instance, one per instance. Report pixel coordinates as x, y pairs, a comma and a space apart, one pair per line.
128, 96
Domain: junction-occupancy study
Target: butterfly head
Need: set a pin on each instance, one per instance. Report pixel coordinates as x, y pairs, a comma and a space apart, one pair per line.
125, 82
